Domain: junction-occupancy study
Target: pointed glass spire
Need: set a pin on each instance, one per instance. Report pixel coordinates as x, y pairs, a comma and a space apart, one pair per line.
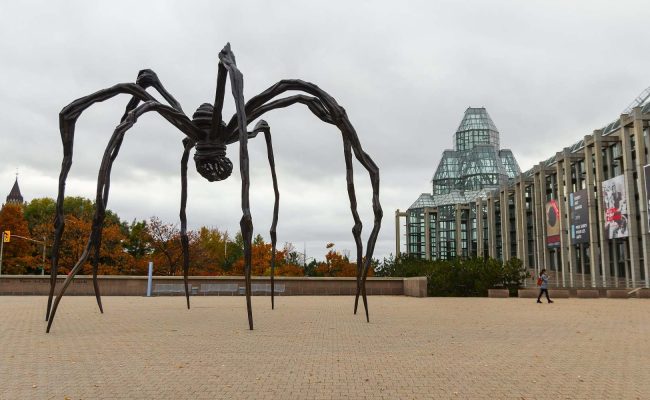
475, 128
476, 163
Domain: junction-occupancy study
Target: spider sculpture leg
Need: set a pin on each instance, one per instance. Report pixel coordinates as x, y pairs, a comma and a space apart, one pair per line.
187, 146
327, 109
356, 229
246, 223
67, 120
103, 182
276, 205
262, 126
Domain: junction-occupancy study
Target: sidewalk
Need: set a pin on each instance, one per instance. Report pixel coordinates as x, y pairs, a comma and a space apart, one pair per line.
315, 348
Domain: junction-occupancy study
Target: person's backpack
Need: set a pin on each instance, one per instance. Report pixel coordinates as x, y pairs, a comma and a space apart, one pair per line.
539, 281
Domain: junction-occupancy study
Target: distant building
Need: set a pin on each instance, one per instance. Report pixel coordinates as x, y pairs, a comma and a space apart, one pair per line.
14, 196
476, 166
583, 213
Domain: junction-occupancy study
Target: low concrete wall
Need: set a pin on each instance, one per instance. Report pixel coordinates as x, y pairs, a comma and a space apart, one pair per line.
498, 293
587, 293
110, 285
617, 294
415, 287
558, 293
528, 293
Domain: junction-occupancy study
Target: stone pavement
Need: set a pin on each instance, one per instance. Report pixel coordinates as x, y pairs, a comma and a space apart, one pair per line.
314, 348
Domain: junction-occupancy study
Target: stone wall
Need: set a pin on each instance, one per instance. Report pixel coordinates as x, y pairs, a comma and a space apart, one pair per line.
219, 285
415, 287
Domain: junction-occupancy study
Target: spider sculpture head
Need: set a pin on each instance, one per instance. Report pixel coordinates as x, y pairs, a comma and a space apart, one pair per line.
210, 156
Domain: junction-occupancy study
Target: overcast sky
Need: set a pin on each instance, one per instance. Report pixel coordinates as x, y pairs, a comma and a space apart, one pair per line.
548, 72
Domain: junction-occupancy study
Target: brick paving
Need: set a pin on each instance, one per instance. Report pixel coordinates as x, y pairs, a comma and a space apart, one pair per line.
314, 348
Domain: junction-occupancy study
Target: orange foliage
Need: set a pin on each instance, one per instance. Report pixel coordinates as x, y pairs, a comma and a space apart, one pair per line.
112, 258
289, 270
261, 263
19, 254
337, 264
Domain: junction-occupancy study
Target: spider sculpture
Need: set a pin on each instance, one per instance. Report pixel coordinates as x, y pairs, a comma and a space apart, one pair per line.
210, 135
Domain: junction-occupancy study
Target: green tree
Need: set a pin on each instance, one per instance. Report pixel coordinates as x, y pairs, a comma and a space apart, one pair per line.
40, 211
138, 240
235, 250
258, 240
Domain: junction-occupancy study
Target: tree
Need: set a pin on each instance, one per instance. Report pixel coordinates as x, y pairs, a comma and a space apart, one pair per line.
258, 239
261, 254
310, 268
292, 257
39, 212
209, 251
138, 240
113, 259
514, 275
78, 213
337, 264
166, 243
18, 255
235, 251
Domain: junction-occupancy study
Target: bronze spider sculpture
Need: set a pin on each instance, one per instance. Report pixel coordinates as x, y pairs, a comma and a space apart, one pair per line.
210, 135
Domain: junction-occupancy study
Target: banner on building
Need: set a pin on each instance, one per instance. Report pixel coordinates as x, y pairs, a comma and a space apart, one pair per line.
615, 206
579, 217
552, 224
646, 174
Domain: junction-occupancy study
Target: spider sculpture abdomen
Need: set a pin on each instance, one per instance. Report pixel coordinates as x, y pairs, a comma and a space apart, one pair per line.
211, 161
210, 154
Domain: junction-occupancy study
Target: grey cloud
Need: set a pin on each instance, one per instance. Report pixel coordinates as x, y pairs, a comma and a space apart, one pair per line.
548, 73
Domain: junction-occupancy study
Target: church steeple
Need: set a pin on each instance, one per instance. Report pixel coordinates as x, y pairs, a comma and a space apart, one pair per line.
14, 196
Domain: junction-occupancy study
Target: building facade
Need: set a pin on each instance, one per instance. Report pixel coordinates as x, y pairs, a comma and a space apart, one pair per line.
440, 225
582, 213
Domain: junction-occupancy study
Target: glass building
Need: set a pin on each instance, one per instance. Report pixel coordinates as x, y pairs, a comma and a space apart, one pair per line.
440, 225
583, 213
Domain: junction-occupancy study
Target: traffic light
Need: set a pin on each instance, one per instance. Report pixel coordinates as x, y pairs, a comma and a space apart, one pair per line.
6, 237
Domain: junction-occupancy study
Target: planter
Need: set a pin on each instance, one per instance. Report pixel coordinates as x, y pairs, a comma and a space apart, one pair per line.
498, 293
587, 293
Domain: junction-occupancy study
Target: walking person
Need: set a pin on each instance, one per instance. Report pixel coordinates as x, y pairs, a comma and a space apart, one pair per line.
542, 282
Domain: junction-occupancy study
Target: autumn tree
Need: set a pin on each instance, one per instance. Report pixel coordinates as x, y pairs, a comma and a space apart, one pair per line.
209, 251
261, 256
166, 243
260, 260
337, 264
18, 254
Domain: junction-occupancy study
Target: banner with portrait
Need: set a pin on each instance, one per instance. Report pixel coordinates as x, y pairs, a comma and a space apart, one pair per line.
579, 217
615, 207
552, 224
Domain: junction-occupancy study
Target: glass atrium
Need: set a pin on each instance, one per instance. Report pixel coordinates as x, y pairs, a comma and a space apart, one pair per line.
473, 168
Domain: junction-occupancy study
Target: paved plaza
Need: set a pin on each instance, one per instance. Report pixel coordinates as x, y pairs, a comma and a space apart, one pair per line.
315, 348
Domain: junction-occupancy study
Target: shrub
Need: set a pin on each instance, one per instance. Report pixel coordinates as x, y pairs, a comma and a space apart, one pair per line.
460, 277
514, 274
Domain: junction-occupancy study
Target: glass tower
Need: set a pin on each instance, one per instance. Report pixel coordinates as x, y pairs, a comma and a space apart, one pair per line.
474, 167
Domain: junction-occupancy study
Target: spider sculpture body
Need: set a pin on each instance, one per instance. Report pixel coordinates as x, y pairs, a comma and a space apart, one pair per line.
210, 136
